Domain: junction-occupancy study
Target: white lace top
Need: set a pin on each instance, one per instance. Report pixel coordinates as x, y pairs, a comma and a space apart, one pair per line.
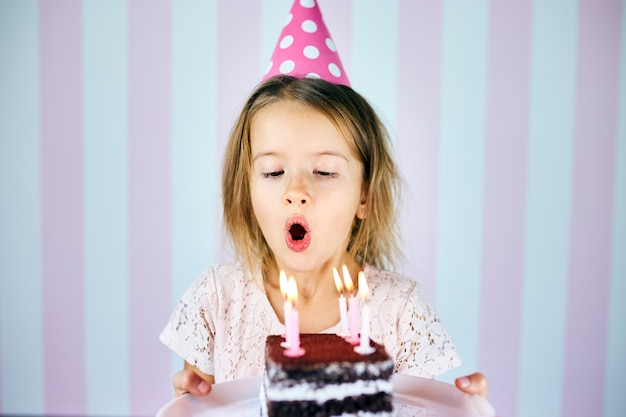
222, 320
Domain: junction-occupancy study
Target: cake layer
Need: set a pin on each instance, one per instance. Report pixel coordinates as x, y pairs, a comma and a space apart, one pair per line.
328, 359
320, 393
363, 405
321, 348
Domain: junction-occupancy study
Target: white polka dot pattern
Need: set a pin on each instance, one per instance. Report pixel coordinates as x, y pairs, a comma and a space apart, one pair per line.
311, 52
286, 42
287, 66
305, 47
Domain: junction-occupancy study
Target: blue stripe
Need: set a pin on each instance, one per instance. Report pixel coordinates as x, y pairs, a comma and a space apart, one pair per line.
273, 17
195, 160
553, 84
106, 203
21, 326
614, 400
375, 56
461, 160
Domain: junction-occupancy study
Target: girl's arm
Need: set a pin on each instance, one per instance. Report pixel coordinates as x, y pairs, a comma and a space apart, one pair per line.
192, 380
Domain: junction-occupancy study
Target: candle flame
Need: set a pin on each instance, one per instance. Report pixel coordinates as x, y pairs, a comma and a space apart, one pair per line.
338, 283
364, 291
347, 279
283, 283
292, 290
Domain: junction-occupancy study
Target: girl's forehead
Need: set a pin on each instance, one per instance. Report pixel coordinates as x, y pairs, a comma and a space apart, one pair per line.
276, 118
283, 107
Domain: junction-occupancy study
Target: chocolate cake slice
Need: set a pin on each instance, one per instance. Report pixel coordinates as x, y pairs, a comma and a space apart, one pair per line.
329, 380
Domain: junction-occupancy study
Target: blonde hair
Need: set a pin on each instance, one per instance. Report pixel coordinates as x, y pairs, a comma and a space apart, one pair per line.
374, 239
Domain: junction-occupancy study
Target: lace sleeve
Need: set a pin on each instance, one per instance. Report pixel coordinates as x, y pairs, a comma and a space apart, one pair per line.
424, 346
190, 331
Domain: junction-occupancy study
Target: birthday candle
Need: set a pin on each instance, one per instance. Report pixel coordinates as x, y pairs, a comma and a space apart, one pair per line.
293, 350
287, 307
364, 347
343, 309
353, 309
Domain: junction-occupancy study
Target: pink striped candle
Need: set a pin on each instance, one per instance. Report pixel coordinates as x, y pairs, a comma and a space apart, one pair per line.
293, 332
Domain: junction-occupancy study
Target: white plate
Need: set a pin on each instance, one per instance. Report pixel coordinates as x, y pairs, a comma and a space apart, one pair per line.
412, 397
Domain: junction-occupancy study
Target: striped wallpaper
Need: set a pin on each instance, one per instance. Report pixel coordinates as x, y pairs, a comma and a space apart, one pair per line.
509, 122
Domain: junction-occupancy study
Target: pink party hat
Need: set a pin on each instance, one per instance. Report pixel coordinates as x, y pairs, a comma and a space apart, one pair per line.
305, 48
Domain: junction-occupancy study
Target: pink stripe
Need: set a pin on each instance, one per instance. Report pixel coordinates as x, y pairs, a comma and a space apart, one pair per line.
419, 75
149, 201
239, 49
238, 72
505, 195
592, 204
62, 206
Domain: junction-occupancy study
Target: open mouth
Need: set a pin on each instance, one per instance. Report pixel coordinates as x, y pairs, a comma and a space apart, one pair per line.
297, 236
297, 231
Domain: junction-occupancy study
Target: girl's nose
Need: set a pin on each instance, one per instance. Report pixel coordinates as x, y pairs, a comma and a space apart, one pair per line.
296, 193
293, 198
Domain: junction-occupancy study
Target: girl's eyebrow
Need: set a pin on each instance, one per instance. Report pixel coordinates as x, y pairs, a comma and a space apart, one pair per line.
320, 153
262, 154
333, 153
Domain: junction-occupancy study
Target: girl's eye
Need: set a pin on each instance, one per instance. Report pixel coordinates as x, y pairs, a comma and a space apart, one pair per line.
273, 174
326, 174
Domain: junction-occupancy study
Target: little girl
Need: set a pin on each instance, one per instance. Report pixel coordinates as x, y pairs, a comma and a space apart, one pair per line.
308, 185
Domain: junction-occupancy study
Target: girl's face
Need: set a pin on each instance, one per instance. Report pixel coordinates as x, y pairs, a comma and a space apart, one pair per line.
306, 187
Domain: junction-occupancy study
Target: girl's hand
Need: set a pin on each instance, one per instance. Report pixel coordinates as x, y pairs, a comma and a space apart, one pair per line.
193, 381
475, 383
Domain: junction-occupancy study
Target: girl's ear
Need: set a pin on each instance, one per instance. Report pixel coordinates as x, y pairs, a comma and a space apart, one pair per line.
360, 212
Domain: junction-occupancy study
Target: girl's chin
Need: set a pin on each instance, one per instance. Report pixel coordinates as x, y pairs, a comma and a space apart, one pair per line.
301, 265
